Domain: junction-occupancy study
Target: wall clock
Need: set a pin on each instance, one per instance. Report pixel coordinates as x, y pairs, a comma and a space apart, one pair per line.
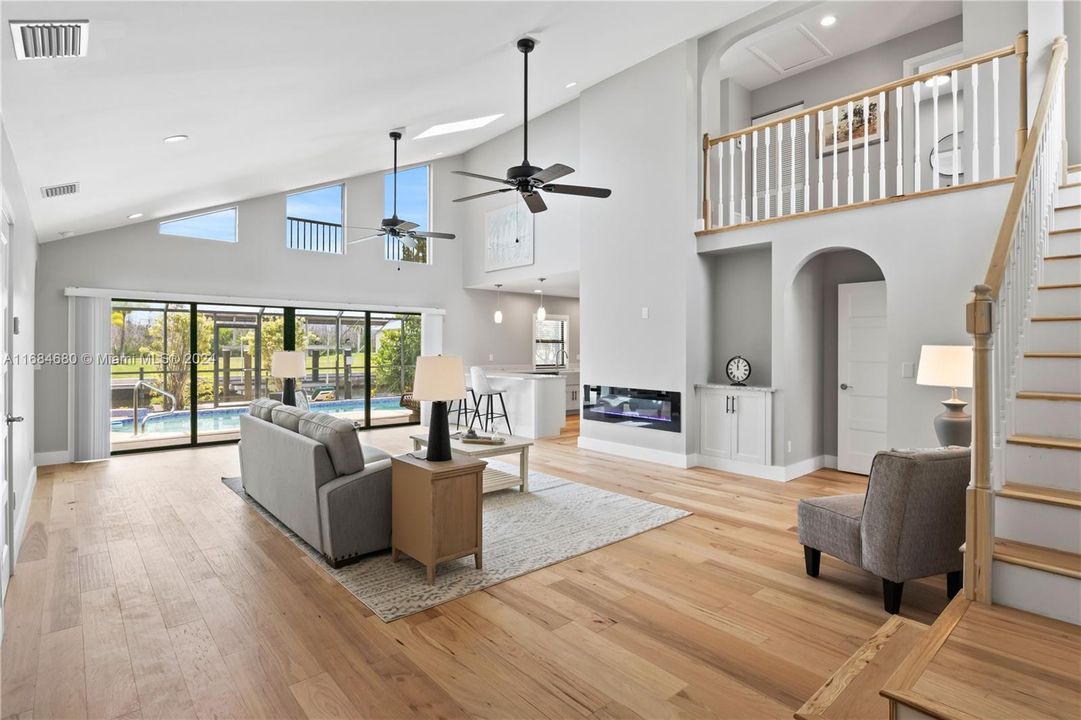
738, 370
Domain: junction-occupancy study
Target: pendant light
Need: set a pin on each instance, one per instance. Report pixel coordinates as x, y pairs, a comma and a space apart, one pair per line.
541, 312
498, 317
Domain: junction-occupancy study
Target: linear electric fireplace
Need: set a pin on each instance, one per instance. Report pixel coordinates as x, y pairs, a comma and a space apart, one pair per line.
656, 409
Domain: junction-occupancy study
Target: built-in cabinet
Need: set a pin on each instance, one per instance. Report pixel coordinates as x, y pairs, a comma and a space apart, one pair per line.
735, 424
574, 391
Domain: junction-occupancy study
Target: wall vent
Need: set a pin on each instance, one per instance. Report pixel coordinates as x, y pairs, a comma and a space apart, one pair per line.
53, 191
36, 39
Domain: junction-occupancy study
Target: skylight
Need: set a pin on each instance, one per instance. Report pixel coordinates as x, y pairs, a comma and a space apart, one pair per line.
459, 126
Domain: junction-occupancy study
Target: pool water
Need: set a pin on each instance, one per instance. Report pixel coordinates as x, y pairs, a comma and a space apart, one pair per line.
212, 419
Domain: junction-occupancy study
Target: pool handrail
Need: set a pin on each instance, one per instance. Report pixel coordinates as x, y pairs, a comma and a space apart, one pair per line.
136, 424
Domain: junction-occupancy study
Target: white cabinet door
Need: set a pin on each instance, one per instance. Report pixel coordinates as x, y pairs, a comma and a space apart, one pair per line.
749, 428
715, 426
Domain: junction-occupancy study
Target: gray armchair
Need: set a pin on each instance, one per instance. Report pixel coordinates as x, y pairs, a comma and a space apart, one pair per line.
909, 524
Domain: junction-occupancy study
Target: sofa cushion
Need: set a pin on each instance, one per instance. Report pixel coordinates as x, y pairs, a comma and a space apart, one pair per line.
261, 408
339, 438
373, 454
832, 525
287, 416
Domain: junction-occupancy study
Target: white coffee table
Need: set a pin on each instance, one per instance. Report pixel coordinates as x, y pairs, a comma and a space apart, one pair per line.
493, 479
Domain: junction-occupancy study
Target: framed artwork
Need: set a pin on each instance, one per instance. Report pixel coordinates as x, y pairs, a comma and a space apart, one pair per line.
508, 238
878, 128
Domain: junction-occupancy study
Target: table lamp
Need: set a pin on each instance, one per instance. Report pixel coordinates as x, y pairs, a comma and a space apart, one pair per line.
288, 365
439, 379
949, 366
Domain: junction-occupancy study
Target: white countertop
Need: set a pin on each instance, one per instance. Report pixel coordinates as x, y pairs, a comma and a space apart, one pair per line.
728, 386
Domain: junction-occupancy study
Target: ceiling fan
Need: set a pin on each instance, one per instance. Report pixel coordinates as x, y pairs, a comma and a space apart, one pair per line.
394, 226
528, 179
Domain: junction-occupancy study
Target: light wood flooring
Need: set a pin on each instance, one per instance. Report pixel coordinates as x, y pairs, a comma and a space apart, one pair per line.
146, 589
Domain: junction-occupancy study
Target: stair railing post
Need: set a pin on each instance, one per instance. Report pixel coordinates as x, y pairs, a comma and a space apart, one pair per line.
979, 518
1021, 48
707, 220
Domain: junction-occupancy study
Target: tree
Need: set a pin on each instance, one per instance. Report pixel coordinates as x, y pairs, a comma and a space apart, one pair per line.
394, 362
174, 347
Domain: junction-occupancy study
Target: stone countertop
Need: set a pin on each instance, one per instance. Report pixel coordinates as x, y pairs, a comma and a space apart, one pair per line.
729, 386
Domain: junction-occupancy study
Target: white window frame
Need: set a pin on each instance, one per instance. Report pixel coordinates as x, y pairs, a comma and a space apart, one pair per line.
566, 341
345, 189
215, 211
431, 220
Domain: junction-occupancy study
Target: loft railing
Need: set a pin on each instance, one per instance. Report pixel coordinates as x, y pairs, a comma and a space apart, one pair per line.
304, 234
996, 316
807, 162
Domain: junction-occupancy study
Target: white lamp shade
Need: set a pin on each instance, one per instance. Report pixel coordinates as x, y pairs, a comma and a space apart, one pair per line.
439, 377
287, 364
541, 313
945, 366
498, 317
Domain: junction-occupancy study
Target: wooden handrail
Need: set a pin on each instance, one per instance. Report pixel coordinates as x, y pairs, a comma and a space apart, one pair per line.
1007, 51
997, 267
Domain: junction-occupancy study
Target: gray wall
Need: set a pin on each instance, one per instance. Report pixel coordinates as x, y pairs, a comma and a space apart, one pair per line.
1072, 25
23, 249
136, 257
740, 305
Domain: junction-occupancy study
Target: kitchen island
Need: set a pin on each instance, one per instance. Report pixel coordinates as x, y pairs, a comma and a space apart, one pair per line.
536, 402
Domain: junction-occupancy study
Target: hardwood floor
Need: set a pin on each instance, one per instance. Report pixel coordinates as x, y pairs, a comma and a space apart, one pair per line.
146, 589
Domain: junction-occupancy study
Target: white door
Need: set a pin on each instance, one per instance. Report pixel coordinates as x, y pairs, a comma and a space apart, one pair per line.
6, 496
862, 373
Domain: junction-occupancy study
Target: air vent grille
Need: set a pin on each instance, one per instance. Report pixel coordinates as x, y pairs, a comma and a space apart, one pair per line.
53, 191
50, 39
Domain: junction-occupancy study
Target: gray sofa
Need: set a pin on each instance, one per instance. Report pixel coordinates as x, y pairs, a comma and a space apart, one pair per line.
909, 524
311, 472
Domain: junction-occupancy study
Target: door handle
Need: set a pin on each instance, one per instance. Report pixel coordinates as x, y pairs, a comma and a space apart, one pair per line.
846, 386
13, 419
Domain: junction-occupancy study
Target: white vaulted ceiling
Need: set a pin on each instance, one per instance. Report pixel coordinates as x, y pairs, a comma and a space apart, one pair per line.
279, 95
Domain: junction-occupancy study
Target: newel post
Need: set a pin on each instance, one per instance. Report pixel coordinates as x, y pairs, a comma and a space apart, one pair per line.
1021, 50
707, 215
979, 506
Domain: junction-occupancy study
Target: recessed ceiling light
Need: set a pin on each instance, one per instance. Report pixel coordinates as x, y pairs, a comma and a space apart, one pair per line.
570, 85
459, 126
175, 138
828, 21
135, 216
439, 153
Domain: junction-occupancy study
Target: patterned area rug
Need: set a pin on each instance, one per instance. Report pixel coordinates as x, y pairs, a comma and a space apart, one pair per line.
557, 519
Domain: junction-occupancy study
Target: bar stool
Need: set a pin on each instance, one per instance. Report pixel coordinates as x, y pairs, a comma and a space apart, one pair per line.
480, 390
462, 410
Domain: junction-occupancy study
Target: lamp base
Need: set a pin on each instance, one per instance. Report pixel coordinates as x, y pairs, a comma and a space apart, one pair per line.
438, 433
289, 391
954, 426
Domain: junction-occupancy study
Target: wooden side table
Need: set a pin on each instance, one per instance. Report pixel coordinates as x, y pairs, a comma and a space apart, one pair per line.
436, 510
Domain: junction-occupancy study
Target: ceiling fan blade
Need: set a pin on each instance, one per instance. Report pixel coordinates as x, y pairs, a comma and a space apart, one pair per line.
437, 235
552, 172
358, 240
406, 226
577, 190
483, 194
361, 227
410, 242
534, 202
480, 177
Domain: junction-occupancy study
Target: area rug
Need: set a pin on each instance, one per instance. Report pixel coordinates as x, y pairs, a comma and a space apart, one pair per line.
556, 520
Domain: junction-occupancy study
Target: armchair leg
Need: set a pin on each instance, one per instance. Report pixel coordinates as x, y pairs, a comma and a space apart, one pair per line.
953, 583
812, 559
891, 595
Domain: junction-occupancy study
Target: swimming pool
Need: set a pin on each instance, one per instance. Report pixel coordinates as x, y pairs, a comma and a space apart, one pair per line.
216, 419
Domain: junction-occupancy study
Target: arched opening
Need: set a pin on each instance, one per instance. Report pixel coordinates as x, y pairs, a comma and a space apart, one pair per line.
836, 360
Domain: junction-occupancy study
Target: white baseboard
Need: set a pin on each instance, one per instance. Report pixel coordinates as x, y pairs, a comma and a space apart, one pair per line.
22, 512
57, 457
804, 467
765, 472
661, 457
829, 461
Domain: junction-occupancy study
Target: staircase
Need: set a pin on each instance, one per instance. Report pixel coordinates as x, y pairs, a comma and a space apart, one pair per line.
1036, 563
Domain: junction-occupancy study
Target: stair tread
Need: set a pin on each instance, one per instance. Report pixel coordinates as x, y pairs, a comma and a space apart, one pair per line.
852, 691
1071, 256
1069, 185
1045, 441
1066, 231
1060, 562
1061, 354
1041, 395
991, 661
1061, 286
1071, 206
1056, 318
1038, 493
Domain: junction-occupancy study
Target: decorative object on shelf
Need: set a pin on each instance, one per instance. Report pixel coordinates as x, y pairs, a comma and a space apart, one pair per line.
527, 179
946, 162
541, 312
439, 378
498, 317
856, 126
400, 230
738, 369
949, 366
509, 238
288, 365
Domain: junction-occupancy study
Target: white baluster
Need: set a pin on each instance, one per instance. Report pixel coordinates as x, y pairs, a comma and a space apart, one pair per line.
899, 182
975, 122
994, 119
934, 131
953, 147
851, 141
882, 145
780, 169
720, 184
732, 181
754, 175
916, 174
765, 196
836, 147
866, 148
743, 178
821, 155
806, 162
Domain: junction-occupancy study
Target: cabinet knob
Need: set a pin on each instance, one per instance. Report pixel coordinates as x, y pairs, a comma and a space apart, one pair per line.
845, 386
